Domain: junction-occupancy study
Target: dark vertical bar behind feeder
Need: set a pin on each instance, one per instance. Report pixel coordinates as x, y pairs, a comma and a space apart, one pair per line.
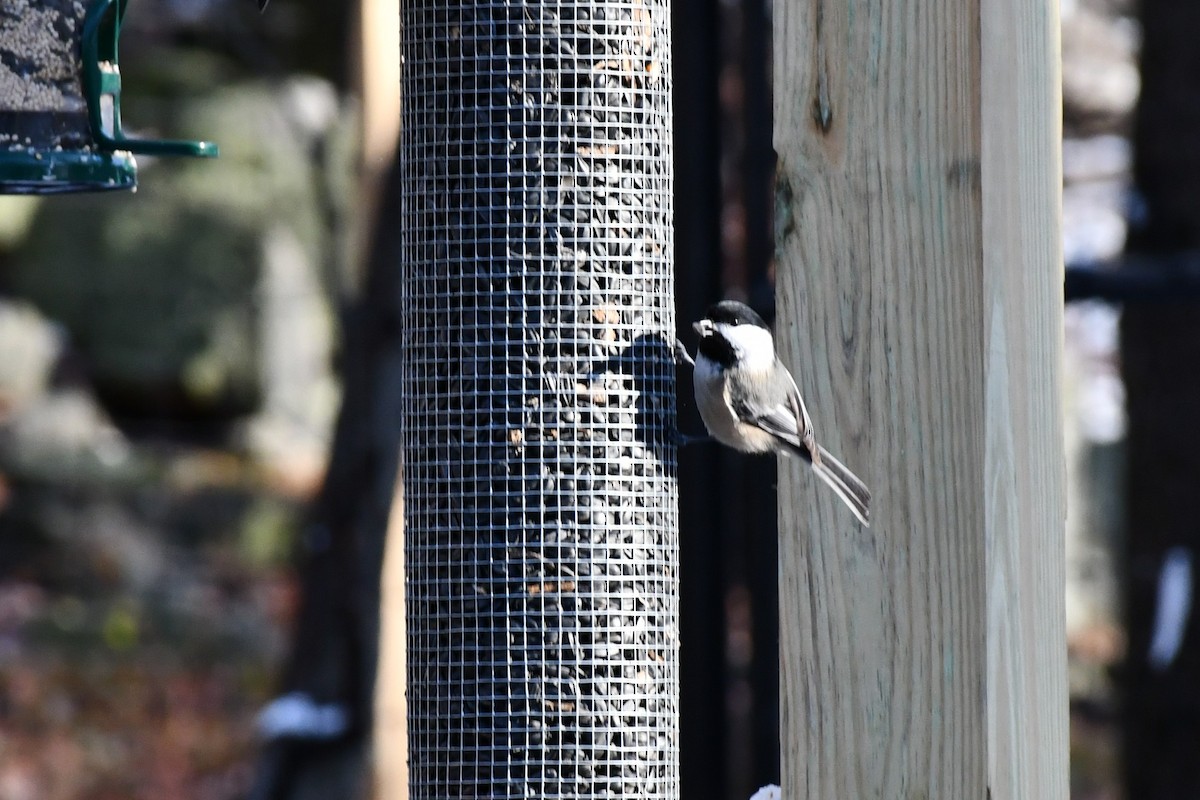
540, 499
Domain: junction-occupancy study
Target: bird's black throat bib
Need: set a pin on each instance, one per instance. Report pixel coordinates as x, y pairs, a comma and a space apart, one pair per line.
717, 349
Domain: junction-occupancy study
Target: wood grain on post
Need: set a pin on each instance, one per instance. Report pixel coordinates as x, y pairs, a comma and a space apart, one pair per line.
920, 282
376, 54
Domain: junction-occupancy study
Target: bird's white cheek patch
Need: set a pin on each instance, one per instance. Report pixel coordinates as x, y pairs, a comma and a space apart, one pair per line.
754, 345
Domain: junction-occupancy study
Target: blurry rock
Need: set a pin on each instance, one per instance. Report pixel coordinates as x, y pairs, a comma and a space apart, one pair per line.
31, 347
1094, 222
1096, 158
1096, 179
299, 393
1099, 66
1100, 46
16, 215
65, 435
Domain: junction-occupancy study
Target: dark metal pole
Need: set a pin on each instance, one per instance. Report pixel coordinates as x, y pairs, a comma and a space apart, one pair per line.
761, 528
702, 669
1160, 346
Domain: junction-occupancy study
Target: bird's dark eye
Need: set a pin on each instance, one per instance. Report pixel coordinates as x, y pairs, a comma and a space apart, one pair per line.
736, 322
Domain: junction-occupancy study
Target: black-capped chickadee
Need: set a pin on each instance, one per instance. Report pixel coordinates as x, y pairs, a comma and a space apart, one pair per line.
749, 401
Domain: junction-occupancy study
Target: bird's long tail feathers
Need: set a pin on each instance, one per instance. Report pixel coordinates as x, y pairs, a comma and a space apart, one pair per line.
853, 492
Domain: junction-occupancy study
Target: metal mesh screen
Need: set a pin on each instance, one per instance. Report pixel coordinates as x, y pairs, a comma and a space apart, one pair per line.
540, 504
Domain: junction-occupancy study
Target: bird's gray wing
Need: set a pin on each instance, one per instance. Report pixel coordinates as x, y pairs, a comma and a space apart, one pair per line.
787, 420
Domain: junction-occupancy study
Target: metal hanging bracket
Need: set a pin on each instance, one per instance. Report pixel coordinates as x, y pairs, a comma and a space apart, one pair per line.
102, 88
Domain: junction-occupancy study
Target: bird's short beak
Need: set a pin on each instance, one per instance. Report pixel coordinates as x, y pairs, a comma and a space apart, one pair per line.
704, 327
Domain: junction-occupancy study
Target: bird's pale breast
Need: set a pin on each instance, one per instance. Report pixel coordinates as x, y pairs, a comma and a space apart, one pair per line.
712, 400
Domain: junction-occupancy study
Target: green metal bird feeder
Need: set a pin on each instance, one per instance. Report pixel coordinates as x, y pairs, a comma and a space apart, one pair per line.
60, 100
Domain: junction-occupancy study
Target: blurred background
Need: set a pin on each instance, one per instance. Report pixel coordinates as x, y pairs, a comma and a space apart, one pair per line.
198, 437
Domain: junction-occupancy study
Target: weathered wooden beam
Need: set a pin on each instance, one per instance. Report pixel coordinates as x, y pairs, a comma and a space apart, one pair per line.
921, 287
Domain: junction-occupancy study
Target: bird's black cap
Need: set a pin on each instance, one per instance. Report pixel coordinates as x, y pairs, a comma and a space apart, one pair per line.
731, 312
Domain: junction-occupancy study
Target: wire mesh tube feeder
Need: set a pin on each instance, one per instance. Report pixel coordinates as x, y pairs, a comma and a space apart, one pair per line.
538, 391
60, 100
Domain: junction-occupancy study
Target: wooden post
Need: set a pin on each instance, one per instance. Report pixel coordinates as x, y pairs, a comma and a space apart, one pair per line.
920, 281
375, 57
376, 70
390, 730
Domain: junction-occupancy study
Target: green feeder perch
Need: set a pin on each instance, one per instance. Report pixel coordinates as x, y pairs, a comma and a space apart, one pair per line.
60, 100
